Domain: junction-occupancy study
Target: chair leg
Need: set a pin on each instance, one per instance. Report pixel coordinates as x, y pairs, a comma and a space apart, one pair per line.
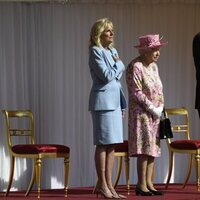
189, 170
127, 168
119, 168
94, 190
66, 174
32, 178
197, 158
12, 164
38, 174
171, 162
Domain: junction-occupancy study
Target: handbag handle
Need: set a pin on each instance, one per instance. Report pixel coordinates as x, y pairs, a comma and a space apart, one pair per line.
164, 113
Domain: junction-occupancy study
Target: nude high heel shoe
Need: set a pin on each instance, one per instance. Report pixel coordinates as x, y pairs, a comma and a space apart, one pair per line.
102, 193
116, 195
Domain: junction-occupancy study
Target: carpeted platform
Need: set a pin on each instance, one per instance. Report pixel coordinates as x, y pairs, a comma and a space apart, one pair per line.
174, 192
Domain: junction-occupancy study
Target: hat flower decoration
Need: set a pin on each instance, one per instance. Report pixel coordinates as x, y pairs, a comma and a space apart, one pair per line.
150, 41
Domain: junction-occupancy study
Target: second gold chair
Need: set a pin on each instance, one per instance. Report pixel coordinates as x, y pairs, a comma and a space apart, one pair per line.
121, 151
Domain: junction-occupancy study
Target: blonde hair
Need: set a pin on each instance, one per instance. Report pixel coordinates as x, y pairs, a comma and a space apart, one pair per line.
97, 29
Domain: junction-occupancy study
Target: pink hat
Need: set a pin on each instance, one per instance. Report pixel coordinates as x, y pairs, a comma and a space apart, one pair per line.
150, 41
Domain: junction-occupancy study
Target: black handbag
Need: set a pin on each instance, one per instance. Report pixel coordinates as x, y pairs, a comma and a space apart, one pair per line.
165, 130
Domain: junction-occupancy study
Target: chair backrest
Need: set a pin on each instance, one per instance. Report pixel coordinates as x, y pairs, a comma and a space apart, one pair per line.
19, 124
179, 122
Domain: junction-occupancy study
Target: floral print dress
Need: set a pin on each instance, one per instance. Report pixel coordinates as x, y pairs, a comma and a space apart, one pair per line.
144, 88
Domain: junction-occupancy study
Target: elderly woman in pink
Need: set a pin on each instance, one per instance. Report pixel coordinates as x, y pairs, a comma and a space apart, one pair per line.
146, 104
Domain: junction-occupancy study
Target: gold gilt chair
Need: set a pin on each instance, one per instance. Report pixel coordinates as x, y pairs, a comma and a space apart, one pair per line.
184, 145
121, 151
20, 124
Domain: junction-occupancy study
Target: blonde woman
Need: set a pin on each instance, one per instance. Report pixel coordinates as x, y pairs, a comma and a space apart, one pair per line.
106, 103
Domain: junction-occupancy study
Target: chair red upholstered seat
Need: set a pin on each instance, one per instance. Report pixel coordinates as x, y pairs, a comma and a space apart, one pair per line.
122, 147
40, 148
186, 144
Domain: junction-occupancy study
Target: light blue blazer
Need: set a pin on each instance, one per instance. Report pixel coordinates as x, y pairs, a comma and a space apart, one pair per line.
106, 92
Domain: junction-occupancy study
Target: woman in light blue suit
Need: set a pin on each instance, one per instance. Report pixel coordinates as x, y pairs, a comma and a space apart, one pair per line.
106, 102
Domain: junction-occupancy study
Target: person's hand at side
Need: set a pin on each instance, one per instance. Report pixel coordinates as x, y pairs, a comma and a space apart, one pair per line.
156, 111
123, 113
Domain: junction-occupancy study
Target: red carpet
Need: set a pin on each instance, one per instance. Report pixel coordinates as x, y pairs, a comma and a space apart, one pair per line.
174, 192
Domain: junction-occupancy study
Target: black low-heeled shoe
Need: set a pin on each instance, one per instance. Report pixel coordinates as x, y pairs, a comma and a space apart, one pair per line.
138, 191
155, 192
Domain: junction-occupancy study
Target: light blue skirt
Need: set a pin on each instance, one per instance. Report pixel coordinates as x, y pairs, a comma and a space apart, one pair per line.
107, 127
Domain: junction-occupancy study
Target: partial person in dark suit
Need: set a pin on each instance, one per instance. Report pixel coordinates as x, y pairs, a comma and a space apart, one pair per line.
196, 55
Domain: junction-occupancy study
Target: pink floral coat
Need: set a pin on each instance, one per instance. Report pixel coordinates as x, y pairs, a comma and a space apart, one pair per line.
144, 88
